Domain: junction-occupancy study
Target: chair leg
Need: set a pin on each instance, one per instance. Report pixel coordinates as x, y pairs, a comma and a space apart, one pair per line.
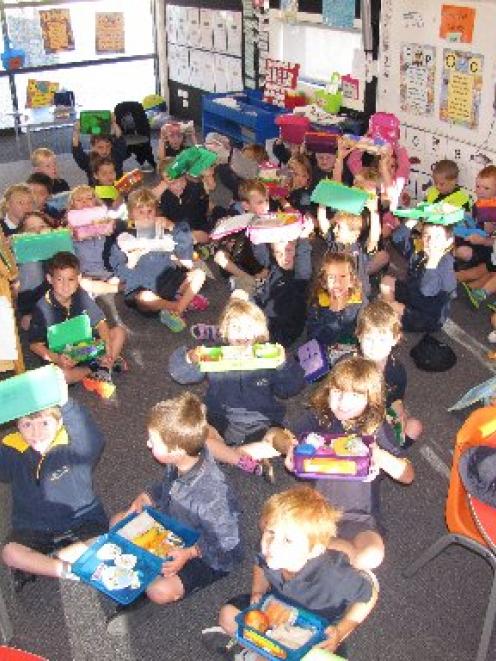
429, 554
487, 627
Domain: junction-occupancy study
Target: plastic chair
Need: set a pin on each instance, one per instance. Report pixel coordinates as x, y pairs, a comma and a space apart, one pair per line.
470, 523
132, 119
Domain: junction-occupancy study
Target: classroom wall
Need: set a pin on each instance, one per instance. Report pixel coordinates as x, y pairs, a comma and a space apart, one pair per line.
420, 81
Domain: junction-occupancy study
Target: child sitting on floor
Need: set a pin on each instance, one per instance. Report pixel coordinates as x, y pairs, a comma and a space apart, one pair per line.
44, 160
296, 564
172, 140
64, 300
193, 491
423, 299
378, 332
445, 175
300, 189
32, 275
351, 401
103, 170
16, 202
157, 281
336, 300
101, 146
241, 405
49, 463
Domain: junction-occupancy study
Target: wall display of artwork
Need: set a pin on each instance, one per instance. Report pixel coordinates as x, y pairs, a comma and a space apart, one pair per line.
56, 29
109, 32
418, 68
461, 87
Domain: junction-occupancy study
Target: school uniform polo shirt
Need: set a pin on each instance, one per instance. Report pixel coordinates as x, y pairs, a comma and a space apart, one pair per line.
326, 585
48, 311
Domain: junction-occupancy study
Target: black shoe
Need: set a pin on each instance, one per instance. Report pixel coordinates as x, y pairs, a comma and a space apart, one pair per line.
21, 578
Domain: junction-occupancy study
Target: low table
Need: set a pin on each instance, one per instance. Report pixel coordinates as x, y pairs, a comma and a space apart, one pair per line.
35, 119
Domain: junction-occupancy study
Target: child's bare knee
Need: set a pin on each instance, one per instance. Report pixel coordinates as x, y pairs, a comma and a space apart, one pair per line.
164, 591
226, 618
413, 428
9, 554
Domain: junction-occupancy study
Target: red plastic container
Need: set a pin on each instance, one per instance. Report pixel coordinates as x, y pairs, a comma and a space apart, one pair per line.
294, 100
293, 128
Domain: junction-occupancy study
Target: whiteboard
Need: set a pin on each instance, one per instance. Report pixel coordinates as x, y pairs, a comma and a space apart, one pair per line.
416, 23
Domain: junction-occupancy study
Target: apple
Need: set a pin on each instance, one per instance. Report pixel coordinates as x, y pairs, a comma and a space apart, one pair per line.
257, 619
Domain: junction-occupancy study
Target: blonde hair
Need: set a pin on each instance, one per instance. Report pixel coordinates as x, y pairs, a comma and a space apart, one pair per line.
181, 423
304, 508
41, 154
236, 308
354, 222
256, 153
356, 375
378, 315
9, 193
53, 411
252, 186
142, 197
81, 190
332, 258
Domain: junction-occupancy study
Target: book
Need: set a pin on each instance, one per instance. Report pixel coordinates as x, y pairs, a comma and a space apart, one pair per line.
124, 561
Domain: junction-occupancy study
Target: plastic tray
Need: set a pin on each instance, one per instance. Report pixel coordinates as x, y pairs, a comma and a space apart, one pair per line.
293, 128
31, 391
95, 570
30, 247
321, 142
340, 197
129, 180
306, 453
240, 358
262, 644
231, 225
275, 227
106, 192
439, 213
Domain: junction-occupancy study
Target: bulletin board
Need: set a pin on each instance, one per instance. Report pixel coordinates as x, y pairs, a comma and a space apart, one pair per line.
204, 52
436, 73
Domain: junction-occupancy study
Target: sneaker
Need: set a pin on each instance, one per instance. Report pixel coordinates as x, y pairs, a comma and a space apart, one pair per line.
103, 387
216, 640
172, 320
199, 303
492, 337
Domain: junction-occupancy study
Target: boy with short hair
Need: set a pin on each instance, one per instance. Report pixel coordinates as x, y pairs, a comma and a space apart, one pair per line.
193, 491
445, 175
103, 171
101, 146
44, 160
64, 300
422, 300
49, 464
296, 565
41, 187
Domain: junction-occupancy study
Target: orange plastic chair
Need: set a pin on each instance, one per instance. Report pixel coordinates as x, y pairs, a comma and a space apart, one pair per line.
470, 523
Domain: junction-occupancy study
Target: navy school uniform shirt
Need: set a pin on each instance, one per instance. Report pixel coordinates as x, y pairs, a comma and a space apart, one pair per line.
190, 208
331, 326
351, 497
48, 311
118, 154
32, 285
152, 265
283, 294
202, 500
395, 378
53, 493
326, 585
242, 404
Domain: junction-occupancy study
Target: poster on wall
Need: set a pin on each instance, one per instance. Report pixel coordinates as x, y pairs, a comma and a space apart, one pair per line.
338, 13
109, 32
461, 88
39, 93
279, 78
56, 30
457, 23
417, 74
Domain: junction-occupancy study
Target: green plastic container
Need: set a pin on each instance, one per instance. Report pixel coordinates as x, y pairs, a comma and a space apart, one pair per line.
331, 103
192, 161
106, 192
95, 122
70, 332
438, 213
38, 247
340, 197
31, 392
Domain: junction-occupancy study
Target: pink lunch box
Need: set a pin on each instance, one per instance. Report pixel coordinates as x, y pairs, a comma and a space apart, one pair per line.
89, 223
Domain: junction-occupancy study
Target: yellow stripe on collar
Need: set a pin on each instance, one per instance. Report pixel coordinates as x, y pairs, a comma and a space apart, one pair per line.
17, 442
324, 300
